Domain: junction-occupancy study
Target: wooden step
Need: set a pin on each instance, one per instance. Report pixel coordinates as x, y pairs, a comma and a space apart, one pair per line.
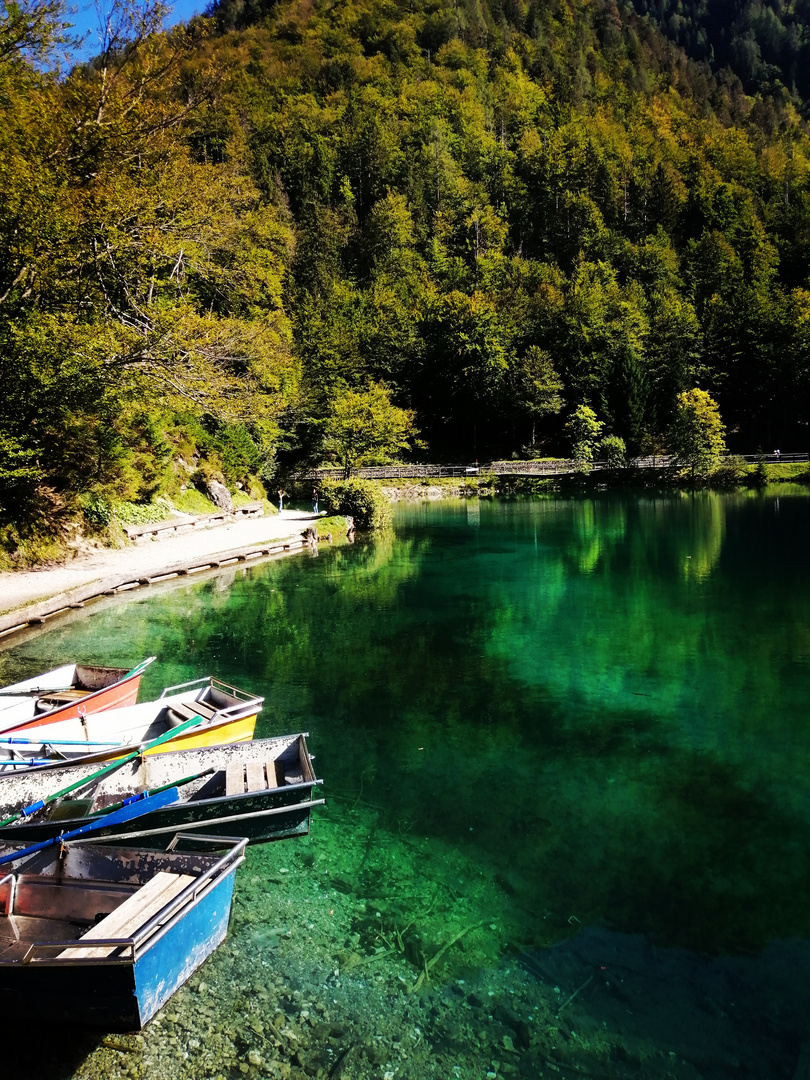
202, 708
235, 778
75, 694
254, 775
63, 697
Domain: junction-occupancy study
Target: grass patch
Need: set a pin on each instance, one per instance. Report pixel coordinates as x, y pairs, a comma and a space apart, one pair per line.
334, 525
791, 471
192, 501
31, 552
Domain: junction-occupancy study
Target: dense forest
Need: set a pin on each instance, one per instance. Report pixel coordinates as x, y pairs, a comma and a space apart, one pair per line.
766, 45
487, 213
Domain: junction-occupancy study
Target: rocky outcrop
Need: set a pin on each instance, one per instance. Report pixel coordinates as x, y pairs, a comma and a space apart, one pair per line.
219, 495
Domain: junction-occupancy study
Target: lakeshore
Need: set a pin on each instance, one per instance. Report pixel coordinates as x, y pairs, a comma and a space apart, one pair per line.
27, 595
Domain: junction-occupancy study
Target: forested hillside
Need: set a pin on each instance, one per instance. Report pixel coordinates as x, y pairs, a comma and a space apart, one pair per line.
499, 210
765, 44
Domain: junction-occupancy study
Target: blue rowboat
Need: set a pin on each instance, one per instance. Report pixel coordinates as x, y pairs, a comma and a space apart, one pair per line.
102, 936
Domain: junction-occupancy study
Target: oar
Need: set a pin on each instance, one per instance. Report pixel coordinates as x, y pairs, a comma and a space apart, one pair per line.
32, 691
142, 804
155, 791
38, 765
139, 667
54, 742
130, 755
32, 764
27, 811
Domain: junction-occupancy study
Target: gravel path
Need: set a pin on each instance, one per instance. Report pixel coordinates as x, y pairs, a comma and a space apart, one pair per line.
147, 557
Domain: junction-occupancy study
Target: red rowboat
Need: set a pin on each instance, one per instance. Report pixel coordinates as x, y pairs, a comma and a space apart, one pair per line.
66, 693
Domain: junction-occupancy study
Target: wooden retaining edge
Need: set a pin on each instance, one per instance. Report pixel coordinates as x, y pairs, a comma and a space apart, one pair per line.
36, 614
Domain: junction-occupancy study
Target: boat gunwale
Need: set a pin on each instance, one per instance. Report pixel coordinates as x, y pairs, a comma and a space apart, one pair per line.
66, 824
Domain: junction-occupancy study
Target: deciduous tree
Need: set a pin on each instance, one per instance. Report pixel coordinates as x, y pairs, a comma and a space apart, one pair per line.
697, 435
584, 430
365, 426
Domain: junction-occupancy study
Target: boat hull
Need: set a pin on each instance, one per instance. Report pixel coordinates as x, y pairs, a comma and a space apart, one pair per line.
261, 811
232, 731
104, 688
122, 984
278, 815
122, 996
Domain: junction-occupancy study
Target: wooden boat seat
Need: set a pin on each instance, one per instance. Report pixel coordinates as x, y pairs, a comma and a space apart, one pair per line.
187, 710
129, 916
243, 776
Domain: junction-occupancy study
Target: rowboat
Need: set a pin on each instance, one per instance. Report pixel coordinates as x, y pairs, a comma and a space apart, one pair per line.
203, 712
261, 790
68, 691
102, 936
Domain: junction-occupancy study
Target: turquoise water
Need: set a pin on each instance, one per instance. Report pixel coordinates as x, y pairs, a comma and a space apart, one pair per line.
572, 730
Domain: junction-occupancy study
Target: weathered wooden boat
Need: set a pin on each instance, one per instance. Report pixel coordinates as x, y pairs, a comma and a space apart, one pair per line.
68, 691
102, 936
204, 712
261, 790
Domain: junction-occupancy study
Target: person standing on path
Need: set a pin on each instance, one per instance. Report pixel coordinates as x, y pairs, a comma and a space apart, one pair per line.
281, 494
314, 500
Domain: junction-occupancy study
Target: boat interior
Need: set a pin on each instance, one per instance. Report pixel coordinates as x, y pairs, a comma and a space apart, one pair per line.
87, 679
90, 678
215, 773
60, 897
36, 909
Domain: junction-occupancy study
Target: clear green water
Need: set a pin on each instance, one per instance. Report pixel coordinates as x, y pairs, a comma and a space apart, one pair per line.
572, 721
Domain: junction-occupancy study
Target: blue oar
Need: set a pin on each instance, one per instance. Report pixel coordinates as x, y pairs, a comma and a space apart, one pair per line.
55, 742
26, 763
136, 807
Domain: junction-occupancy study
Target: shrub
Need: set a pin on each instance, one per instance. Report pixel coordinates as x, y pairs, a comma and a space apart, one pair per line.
131, 513
97, 511
613, 451
360, 499
731, 471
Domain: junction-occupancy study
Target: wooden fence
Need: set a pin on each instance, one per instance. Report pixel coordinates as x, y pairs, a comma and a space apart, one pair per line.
552, 467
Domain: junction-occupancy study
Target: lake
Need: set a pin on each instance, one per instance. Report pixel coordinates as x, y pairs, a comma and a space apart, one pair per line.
564, 745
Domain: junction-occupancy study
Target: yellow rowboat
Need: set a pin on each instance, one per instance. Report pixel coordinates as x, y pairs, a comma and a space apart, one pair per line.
205, 712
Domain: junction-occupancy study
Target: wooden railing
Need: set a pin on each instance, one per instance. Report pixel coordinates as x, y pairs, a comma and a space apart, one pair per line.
550, 467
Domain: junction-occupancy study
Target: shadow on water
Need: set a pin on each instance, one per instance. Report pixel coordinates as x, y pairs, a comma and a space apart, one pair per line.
42, 1050
738, 1016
